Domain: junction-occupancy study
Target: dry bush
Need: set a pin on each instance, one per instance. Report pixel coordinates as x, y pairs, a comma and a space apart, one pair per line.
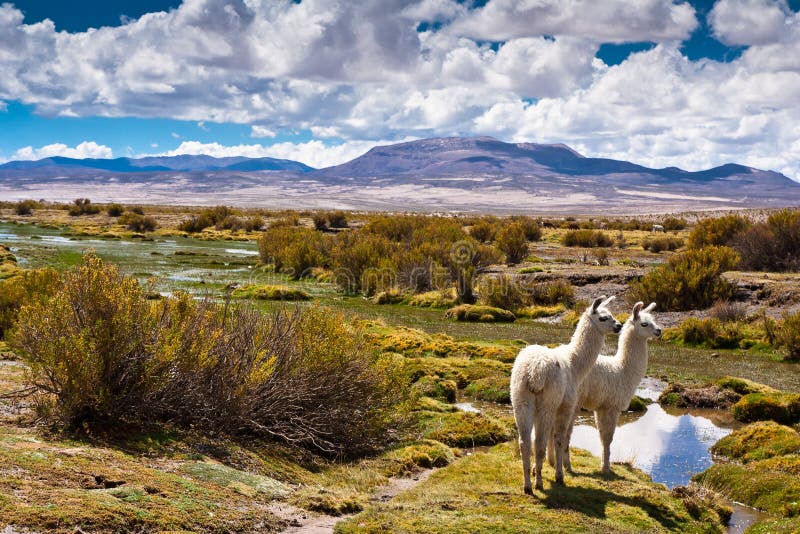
511, 241
673, 224
115, 210
773, 245
787, 336
690, 280
513, 293
26, 207
533, 232
83, 206
718, 231
27, 287
727, 311
659, 244
137, 223
586, 238
103, 354
484, 230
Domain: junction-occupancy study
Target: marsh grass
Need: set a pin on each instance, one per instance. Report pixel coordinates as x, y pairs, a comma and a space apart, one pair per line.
482, 493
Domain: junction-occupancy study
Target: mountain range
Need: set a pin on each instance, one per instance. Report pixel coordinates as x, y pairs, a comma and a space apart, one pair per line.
455, 173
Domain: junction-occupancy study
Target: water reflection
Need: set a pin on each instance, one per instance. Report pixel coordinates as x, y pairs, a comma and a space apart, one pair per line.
670, 448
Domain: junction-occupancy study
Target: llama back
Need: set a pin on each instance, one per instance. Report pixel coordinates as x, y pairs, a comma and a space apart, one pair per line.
537, 367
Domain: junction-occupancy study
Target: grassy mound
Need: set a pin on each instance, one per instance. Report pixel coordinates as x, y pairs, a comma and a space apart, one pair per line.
758, 441
463, 429
433, 299
783, 408
268, 292
480, 314
491, 388
757, 484
482, 492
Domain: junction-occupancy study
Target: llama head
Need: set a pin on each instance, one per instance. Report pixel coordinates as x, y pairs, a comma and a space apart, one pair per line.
643, 323
601, 318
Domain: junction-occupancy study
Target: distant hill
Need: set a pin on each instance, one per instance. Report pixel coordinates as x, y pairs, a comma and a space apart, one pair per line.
454, 173
183, 163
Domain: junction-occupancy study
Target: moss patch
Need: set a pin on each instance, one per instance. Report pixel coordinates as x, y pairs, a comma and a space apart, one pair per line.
783, 408
758, 441
483, 493
462, 429
491, 388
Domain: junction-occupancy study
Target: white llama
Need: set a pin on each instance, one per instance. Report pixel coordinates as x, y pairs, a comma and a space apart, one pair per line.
608, 388
544, 386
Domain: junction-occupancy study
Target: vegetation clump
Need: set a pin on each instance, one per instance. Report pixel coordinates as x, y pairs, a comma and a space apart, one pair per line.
512, 242
83, 206
270, 292
758, 441
137, 223
481, 314
780, 407
586, 238
102, 353
660, 244
690, 280
25, 207
115, 210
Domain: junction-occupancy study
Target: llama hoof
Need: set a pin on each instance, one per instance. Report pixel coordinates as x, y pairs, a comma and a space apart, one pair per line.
560, 480
539, 487
528, 490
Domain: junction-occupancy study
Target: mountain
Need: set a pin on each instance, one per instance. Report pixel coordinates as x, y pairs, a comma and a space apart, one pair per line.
442, 174
183, 163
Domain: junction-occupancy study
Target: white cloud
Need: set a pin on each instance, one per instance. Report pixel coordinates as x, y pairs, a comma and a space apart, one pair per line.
358, 71
609, 20
750, 22
260, 131
86, 149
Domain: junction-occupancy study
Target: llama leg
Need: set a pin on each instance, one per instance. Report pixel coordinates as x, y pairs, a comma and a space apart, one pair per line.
606, 425
567, 462
523, 414
560, 431
551, 450
543, 424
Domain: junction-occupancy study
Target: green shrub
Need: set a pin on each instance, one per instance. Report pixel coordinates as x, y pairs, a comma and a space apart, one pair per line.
25, 207
637, 404
717, 231
659, 244
782, 408
293, 250
270, 292
690, 280
553, 292
511, 241
482, 314
503, 291
773, 245
709, 333
586, 238
207, 218
137, 223
115, 210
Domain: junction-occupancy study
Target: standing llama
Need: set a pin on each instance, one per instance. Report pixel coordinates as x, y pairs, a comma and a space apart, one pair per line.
608, 388
544, 386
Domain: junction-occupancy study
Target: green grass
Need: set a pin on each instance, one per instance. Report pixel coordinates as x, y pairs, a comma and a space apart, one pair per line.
482, 492
480, 314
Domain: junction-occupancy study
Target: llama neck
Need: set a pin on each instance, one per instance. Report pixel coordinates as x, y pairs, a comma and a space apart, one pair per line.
586, 343
632, 355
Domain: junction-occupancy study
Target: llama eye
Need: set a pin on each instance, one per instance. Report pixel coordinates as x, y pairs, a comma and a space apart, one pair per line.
603, 318
644, 324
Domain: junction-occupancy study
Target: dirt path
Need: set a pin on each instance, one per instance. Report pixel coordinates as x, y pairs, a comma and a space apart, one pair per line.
304, 522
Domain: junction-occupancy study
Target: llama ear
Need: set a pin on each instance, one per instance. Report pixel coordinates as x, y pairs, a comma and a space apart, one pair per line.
597, 302
636, 309
608, 300
650, 307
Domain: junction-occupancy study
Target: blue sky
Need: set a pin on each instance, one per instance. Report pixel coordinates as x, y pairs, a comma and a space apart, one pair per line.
237, 76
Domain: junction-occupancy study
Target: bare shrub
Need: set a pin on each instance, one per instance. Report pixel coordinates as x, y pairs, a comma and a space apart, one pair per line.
586, 238
511, 241
727, 311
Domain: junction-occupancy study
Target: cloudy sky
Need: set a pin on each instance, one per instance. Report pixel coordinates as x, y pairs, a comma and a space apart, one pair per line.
658, 82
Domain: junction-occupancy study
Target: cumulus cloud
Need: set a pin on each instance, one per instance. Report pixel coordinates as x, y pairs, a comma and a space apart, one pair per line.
354, 72
750, 22
86, 149
260, 131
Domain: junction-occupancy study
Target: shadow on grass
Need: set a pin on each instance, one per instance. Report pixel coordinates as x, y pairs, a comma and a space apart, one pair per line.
593, 502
